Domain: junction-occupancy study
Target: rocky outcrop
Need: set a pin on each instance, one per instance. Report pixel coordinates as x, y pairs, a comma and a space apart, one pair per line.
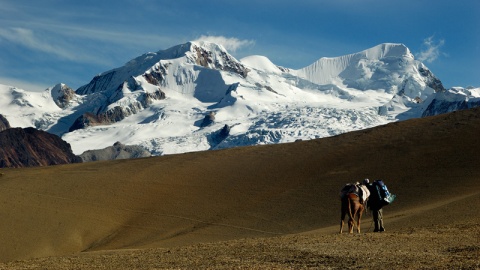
90, 120
430, 79
117, 113
31, 147
62, 95
148, 98
223, 61
4, 124
117, 151
157, 74
113, 115
217, 137
208, 120
85, 120
268, 88
224, 132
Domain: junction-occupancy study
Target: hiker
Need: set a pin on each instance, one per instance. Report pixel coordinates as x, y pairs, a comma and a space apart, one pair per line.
379, 197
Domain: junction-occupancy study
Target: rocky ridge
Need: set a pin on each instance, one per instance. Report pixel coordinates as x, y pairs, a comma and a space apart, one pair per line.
26, 147
4, 124
117, 151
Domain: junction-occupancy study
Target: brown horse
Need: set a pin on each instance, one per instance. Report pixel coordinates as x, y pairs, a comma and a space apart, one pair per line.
352, 206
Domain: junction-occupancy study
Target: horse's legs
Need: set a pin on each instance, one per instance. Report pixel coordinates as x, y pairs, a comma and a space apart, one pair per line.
353, 212
342, 217
359, 219
344, 209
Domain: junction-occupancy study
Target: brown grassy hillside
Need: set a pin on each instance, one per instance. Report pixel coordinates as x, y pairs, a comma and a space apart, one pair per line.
171, 211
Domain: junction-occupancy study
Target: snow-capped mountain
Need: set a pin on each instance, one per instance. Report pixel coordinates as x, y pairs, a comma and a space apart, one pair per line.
196, 96
388, 67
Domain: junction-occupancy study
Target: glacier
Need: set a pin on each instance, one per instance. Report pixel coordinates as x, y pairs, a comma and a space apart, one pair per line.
160, 100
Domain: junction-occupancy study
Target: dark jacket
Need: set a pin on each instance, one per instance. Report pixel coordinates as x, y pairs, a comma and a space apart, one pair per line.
374, 201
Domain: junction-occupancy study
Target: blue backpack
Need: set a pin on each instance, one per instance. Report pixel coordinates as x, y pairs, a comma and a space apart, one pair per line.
385, 196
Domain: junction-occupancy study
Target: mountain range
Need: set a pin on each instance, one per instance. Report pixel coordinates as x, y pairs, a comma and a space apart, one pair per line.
196, 96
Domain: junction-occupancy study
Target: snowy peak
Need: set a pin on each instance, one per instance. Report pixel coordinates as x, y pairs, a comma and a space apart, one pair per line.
389, 67
193, 69
211, 55
386, 50
204, 54
354, 66
262, 63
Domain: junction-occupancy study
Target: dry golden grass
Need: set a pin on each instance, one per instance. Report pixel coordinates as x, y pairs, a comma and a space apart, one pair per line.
266, 207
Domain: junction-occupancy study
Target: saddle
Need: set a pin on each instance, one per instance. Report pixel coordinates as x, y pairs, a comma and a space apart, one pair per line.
361, 191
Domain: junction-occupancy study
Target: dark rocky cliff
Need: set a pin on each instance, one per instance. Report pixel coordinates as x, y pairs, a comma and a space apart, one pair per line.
26, 147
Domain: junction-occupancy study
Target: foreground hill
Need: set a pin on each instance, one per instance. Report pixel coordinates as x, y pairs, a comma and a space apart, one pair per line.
171, 211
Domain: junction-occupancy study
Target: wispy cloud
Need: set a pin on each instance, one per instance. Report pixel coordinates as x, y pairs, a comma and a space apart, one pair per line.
23, 84
45, 43
84, 44
26, 37
232, 44
110, 36
431, 49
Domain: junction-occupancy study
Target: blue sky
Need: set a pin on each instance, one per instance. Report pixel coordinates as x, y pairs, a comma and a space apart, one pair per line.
50, 41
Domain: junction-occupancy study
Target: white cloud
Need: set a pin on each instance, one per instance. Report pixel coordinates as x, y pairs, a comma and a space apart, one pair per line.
431, 49
231, 44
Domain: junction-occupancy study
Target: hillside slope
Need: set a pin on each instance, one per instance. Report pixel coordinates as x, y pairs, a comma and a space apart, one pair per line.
243, 192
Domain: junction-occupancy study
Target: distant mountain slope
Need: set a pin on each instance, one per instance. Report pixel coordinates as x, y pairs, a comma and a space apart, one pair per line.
30, 147
454, 99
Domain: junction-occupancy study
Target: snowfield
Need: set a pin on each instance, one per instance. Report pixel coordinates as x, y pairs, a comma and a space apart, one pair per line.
253, 100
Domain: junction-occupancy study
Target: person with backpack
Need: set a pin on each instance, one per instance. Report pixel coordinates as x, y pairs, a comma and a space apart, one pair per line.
379, 197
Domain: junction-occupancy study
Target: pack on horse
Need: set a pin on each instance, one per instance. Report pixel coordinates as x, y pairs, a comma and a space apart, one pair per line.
354, 200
